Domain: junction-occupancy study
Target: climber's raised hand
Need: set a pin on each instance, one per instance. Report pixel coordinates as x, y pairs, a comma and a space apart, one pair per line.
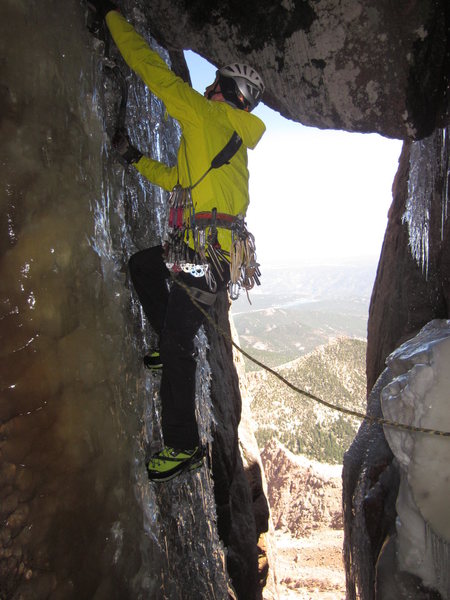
122, 145
101, 7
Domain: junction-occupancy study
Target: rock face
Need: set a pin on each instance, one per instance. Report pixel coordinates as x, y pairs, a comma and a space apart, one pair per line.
303, 495
411, 289
241, 505
354, 65
408, 292
306, 509
256, 478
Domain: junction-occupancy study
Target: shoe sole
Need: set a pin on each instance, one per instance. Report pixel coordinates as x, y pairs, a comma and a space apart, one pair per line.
186, 469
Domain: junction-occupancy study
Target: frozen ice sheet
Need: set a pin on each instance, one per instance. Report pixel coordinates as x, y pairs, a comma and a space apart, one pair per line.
419, 395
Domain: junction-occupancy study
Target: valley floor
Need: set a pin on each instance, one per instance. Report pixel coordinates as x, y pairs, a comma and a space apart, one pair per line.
310, 568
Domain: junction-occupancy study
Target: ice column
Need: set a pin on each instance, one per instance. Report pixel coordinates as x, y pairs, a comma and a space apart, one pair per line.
429, 172
419, 396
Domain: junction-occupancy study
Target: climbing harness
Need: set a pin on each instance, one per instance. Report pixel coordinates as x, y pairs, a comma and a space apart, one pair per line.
347, 411
185, 225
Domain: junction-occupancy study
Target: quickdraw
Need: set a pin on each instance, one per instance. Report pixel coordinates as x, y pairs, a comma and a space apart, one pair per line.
244, 269
176, 244
201, 228
181, 213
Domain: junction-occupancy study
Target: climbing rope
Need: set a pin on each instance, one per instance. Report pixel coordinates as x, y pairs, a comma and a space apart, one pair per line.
341, 409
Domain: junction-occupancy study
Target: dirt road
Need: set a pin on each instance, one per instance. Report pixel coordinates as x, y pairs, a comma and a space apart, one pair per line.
310, 568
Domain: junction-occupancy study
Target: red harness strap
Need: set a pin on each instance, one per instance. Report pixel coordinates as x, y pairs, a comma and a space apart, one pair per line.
223, 220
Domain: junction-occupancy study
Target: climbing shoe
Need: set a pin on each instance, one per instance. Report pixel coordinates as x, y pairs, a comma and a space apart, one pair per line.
170, 462
153, 361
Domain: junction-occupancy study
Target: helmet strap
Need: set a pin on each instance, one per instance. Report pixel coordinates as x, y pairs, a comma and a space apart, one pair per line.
243, 103
213, 91
231, 93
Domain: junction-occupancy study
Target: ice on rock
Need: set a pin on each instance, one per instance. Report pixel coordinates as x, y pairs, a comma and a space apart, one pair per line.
81, 518
429, 167
419, 396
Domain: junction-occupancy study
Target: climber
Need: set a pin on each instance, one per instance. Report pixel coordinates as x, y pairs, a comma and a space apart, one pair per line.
218, 198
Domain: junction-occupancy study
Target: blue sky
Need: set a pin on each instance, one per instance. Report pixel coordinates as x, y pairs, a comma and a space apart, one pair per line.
315, 196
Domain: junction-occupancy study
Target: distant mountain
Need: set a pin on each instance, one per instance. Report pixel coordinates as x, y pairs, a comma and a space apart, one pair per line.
284, 286
334, 372
298, 308
278, 335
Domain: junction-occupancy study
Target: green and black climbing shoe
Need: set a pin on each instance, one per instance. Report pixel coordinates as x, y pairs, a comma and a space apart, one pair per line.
170, 462
153, 361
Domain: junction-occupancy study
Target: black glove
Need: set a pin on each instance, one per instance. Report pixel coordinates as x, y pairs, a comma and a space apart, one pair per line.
121, 143
101, 7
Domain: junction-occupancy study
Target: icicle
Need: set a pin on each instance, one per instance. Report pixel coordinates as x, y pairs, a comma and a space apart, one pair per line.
429, 175
445, 175
204, 410
420, 189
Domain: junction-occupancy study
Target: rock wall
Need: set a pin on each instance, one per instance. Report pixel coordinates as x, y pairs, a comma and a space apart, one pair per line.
357, 65
241, 505
78, 412
304, 495
306, 508
409, 292
411, 289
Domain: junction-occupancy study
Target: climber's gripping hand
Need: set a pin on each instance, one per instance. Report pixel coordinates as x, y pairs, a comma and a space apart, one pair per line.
98, 9
127, 152
101, 7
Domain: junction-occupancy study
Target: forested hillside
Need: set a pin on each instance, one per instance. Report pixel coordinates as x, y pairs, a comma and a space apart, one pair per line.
336, 373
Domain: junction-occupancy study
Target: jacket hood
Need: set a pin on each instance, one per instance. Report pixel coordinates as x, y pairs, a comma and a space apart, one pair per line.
249, 127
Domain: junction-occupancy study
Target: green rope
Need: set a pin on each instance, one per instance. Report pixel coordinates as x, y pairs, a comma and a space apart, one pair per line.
341, 409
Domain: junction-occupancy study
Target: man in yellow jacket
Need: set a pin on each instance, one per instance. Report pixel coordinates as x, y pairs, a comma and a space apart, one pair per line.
207, 122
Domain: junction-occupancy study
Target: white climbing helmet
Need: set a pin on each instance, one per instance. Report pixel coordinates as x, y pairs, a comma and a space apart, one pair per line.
248, 82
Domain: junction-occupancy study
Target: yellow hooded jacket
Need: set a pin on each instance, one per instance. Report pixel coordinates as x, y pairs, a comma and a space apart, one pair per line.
206, 126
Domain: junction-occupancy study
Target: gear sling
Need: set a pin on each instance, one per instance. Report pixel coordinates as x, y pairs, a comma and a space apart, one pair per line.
186, 225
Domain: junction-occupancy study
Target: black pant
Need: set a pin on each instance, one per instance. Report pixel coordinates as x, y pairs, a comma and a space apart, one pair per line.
176, 320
